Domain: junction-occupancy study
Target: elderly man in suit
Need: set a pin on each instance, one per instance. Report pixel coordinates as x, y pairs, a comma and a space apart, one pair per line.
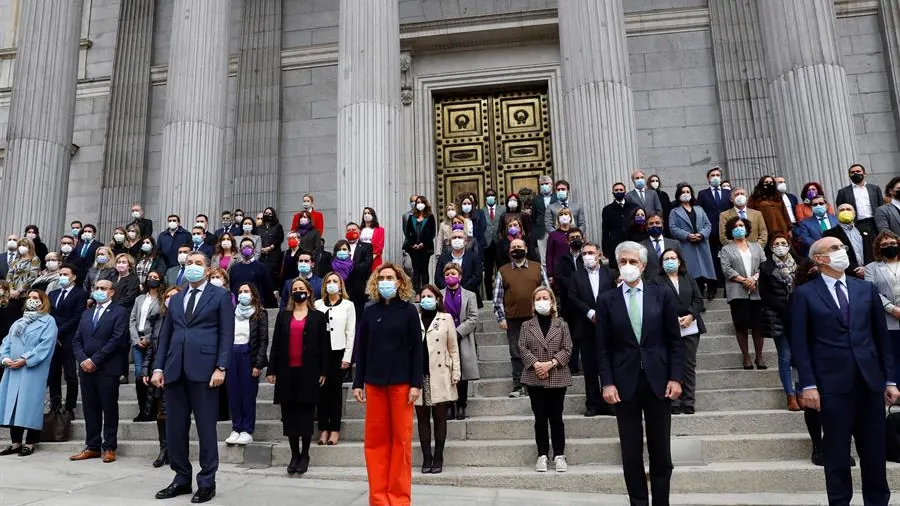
656, 244
191, 360
841, 349
493, 213
641, 360
789, 199
468, 260
863, 196
12, 252
144, 225
539, 206
66, 305
887, 217
758, 233
858, 240
644, 197
811, 229
101, 348
563, 194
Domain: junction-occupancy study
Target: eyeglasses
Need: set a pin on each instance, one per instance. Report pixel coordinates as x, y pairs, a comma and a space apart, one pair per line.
834, 248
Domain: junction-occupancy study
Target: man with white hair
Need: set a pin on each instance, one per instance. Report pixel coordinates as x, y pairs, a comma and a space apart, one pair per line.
641, 361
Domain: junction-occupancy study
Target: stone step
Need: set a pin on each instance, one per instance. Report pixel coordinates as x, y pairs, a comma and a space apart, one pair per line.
717, 326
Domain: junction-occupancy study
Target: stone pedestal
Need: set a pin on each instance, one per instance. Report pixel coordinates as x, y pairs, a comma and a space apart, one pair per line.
368, 119
34, 185
597, 100
193, 151
808, 91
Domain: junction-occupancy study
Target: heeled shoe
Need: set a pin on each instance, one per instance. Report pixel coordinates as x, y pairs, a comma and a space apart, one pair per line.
461, 413
427, 462
323, 438
292, 465
162, 459
11, 450
761, 367
303, 464
333, 438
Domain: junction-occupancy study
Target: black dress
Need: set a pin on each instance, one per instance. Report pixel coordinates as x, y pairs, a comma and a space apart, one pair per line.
297, 388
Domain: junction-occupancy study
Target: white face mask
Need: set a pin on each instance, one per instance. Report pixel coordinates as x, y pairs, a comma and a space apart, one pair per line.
135, 214
66, 248
173, 225
87, 236
367, 218
11, 245
565, 219
685, 197
782, 187
226, 244
781, 251
23, 250
451, 214
52, 265
31, 235
458, 243
654, 185
542, 307
132, 235
740, 200
333, 288
590, 261
32, 304
420, 206
182, 257
118, 237
217, 282
840, 260
630, 273
512, 204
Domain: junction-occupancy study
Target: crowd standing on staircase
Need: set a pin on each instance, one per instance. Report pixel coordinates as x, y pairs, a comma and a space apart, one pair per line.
188, 308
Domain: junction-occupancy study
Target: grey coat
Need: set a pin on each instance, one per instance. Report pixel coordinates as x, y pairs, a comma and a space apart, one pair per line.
553, 210
650, 203
465, 333
697, 256
887, 217
733, 265
880, 274
153, 320
490, 229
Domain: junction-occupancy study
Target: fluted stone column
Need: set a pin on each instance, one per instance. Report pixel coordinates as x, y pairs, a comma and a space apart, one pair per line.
127, 125
890, 17
368, 119
193, 151
808, 91
597, 101
34, 185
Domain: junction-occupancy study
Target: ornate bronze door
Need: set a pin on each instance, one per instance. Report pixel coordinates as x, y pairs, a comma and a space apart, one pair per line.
499, 141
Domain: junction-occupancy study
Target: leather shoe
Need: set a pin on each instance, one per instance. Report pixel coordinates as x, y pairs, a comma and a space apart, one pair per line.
303, 464
688, 410
85, 455
591, 412
292, 465
461, 413
109, 456
203, 495
173, 491
11, 450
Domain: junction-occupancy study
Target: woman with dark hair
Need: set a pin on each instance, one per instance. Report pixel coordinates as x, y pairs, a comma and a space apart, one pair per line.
40, 249
10, 311
514, 211
373, 233
884, 272
309, 236
226, 253
689, 224
155, 395
248, 359
637, 226
143, 326
420, 232
341, 262
271, 235
768, 201
515, 230
674, 275
655, 184
474, 220
776, 283
248, 231
741, 260
250, 270
148, 260
810, 191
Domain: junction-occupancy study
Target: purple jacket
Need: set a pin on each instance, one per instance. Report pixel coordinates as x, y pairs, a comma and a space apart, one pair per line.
557, 246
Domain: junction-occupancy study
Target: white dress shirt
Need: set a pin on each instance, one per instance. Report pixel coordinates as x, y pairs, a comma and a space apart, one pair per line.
787, 205
863, 206
241, 331
187, 295
63, 293
594, 278
353, 249
144, 311
831, 282
100, 309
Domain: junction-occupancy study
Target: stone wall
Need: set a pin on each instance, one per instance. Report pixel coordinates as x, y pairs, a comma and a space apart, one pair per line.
86, 171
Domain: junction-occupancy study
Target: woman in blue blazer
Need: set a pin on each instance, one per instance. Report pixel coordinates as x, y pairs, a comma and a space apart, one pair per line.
689, 224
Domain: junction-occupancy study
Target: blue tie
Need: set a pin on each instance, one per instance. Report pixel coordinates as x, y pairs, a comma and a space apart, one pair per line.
84, 248
180, 275
843, 303
96, 317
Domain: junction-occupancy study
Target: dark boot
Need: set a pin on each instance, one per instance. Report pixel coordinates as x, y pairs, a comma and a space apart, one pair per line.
427, 459
437, 465
140, 390
163, 458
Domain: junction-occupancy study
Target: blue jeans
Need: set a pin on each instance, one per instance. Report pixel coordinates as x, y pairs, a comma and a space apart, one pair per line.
783, 345
138, 355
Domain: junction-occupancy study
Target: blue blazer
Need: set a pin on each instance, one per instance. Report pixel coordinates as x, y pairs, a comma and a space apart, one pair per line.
472, 267
829, 353
708, 202
660, 353
107, 345
808, 231
68, 314
194, 349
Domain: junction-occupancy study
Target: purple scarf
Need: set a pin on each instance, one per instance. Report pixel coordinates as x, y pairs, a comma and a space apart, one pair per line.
453, 303
303, 229
343, 268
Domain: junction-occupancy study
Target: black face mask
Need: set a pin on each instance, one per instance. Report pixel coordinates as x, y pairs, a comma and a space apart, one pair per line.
857, 178
619, 195
517, 254
890, 252
267, 217
576, 244
768, 188
153, 283
299, 296
897, 194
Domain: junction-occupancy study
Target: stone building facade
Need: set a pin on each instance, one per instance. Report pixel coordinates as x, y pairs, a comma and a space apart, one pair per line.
199, 105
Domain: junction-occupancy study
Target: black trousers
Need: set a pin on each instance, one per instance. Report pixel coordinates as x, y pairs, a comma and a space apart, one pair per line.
420, 261
490, 265
16, 433
100, 402
547, 406
462, 392
714, 247
184, 398
331, 394
513, 329
657, 415
62, 366
587, 334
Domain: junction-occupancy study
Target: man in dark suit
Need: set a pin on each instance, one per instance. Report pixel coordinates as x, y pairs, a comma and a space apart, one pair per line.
641, 365
644, 197
811, 229
863, 196
101, 348
562, 275
228, 226
714, 200
66, 305
199, 243
86, 250
194, 349
144, 225
469, 259
362, 255
12, 251
539, 206
588, 283
615, 220
656, 244
493, 216
887, 217
842, 352
789, 199
857, 239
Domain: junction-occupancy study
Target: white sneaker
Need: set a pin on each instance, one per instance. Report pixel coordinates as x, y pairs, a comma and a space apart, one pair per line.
244, 439
232, 438
559, 462
541, 465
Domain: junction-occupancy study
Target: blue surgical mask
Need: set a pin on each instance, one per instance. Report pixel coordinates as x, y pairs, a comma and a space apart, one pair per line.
670, 265
197, 239
387, 289
640, 183
64, 281
655, 231
343, 255
102, 259
562, 194
428, 303
739, 232
194, 273
304, 268
244, 299
491, 200
819, 210
545, 189
99, 296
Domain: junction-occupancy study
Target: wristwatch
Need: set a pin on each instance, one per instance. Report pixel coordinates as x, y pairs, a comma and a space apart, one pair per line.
221, 368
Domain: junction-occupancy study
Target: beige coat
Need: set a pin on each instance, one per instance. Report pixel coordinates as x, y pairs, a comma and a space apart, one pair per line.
443, 359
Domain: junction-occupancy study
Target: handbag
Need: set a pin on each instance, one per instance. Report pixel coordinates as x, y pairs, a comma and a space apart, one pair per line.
57, 426
893, 436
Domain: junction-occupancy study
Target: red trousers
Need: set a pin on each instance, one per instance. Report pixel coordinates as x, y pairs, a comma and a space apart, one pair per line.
388, 445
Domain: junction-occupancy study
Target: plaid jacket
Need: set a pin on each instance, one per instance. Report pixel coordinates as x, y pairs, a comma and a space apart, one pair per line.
535, 347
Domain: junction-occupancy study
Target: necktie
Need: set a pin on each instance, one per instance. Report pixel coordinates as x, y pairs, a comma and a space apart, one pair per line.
641, 193
492, 213
84, 248
843, 303
565, 205
192, 301
658, 248
180, 275
743, 215
718, 196
823, 224
634, 313
96, 317
61, 298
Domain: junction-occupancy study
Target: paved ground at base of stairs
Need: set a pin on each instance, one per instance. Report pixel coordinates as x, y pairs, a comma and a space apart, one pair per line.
49, 479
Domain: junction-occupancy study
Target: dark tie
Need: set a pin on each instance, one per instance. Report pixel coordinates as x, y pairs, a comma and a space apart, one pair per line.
96, 317
565, 205
492, 213
192, 300
180, 275
718, 197
843, 303
61, 298
658, 248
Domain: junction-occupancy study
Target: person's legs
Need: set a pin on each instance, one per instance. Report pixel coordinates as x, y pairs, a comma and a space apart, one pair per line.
869, 433
742, 340
33, 437
233, 387
658, 418
15, 435
462, 392
423, 417
70, 375
377, 443
758, 341
556, 398
204, 402
92, 411
439, 414
631, 441
54, 377
540, 407
109, 403
838, 415
514, 328
178, 429
691, 343
401, 419
783, 347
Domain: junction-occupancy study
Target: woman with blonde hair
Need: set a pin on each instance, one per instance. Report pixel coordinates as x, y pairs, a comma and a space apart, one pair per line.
126, 282
48, 280
389, 380
341, 316
23, 270
103, 268
442, 241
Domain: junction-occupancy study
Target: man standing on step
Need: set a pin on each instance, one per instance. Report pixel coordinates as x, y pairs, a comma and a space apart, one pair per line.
843, 355
67, 305
194, 349
513, 302
641, 360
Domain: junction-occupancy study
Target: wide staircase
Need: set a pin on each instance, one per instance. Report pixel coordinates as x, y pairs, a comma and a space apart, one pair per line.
741, 440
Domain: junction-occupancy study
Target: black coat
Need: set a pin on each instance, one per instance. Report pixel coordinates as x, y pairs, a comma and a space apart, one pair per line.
127, 291
688, 297
425, 236
259, 340
614, 224
776, 301
299, 384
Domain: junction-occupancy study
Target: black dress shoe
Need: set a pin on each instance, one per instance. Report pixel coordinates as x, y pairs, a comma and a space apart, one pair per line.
173, 490
452, 414
676, 410
427, 462
461, 413
203, 495
303, 464
591, 412
438, 466
26, 450
161, 459
292, 465
11, 450
817, 458
688, 410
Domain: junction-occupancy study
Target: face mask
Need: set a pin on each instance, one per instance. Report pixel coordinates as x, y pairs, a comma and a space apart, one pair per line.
102, 259
247, 228
52, 265
268, 217
890, 252
782, 187
670, 266
640, 219
840, 260
31, 235
685, 197
739, 232
458, 243
896, 194
467, 208
299, 296
304, 221
293, 243
726, 187
75, 232
153, 283
194, 273
226, 244
238, 218
590, 261
11, 245
513, 230
304, 268
565, 219
545, 189
428, 303
846, 217
352, 235
132, 235
512, 204
200, 224
135, 214
781, 251
420, 207
639, 184
630, 273
32, 304
247, 251
619, 196
173, 225
542, 307
491, 200
517, 254
307, 206
811, 193
99, 297
576, 244
197, 238
333, 288
655, 231
244, 298
740, 200
182, 257
857, 178
367, 218
562, 195
259, 223
64, 281
226, 224
451, 214
654, 185
23, 250
451, 280
715, 181
217, 282
343, 255
768, 187
387, 289
122, 268
819, 210
66, 248
87, 236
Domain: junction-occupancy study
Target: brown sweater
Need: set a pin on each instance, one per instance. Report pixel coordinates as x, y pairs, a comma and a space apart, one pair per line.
518, 286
